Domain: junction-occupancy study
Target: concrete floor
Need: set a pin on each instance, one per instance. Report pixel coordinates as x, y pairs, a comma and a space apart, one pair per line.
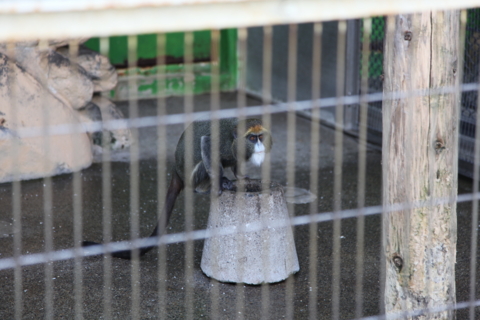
286, 299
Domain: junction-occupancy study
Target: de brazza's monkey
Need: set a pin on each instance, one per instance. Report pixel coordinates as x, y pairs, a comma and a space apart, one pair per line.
257, 141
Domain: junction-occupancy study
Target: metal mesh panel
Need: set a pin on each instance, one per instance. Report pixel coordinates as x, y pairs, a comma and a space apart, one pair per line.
375, 77
469, 98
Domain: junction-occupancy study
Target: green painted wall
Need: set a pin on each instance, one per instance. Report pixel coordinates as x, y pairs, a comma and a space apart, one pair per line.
147, 83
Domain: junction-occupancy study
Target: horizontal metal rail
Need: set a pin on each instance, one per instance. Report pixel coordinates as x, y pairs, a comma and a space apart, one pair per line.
65, 254
28, 20
152, 121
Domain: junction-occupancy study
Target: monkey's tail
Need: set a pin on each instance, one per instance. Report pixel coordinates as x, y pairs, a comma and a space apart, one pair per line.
176, 186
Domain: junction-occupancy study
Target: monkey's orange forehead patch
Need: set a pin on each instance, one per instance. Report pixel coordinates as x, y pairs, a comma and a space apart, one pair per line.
255, 129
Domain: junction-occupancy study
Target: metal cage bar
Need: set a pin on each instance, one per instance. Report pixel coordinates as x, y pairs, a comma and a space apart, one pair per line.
266, 109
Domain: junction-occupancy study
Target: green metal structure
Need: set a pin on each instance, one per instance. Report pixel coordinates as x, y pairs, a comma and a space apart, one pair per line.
147, 71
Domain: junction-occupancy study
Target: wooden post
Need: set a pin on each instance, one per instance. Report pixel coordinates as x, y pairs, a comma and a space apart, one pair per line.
420, 152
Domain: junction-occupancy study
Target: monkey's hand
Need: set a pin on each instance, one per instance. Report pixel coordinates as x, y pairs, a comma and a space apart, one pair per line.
238, 174
226, 184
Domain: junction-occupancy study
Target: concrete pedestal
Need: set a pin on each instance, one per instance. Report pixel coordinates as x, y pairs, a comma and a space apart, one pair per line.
252, 239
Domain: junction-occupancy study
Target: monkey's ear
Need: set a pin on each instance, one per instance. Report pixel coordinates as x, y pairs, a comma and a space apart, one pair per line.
234, 132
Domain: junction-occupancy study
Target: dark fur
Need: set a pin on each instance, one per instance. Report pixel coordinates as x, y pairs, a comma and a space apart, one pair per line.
200, 178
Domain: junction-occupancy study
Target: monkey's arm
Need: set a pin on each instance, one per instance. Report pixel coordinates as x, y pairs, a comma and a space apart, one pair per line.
206, 147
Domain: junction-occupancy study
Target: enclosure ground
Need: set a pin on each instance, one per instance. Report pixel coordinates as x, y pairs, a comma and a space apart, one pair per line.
174, 297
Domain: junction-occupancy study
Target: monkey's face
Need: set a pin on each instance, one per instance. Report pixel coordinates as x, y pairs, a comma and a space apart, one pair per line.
258, 141
257, 148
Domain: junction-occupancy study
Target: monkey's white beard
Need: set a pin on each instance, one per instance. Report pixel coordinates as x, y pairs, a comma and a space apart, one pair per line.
258, 154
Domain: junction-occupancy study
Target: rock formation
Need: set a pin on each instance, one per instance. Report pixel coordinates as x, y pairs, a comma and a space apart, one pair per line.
48, 103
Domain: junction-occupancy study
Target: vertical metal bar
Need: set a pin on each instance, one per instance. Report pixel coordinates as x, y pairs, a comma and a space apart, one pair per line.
134, 175
241, 129
337, 188
362, 167
314, 168
352, 85
16, 194
47, 208
475, 206
214, 107
77, 218
189, 199
389, 30
291, 136
460, 70
431, 183
77, 210
266, 120
161, 167
17, 240
107, 206
242, 74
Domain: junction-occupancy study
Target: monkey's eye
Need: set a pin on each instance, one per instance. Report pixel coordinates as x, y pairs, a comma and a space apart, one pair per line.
260, 137
252, 138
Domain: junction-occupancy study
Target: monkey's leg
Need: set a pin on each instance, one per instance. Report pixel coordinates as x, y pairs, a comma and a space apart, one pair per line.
174, 189
200, 180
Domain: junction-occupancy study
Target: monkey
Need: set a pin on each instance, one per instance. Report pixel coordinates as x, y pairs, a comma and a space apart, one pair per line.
258, 142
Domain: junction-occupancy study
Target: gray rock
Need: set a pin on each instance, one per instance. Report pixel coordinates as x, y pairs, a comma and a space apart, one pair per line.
120, 135
105, 121
34, 43
25, 107
67, 81
91, 115
97, 67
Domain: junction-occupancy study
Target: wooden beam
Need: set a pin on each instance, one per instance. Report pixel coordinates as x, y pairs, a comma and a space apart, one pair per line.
50, 19
420, 166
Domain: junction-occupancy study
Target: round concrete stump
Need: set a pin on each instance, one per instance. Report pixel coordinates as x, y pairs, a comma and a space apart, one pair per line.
252, 239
